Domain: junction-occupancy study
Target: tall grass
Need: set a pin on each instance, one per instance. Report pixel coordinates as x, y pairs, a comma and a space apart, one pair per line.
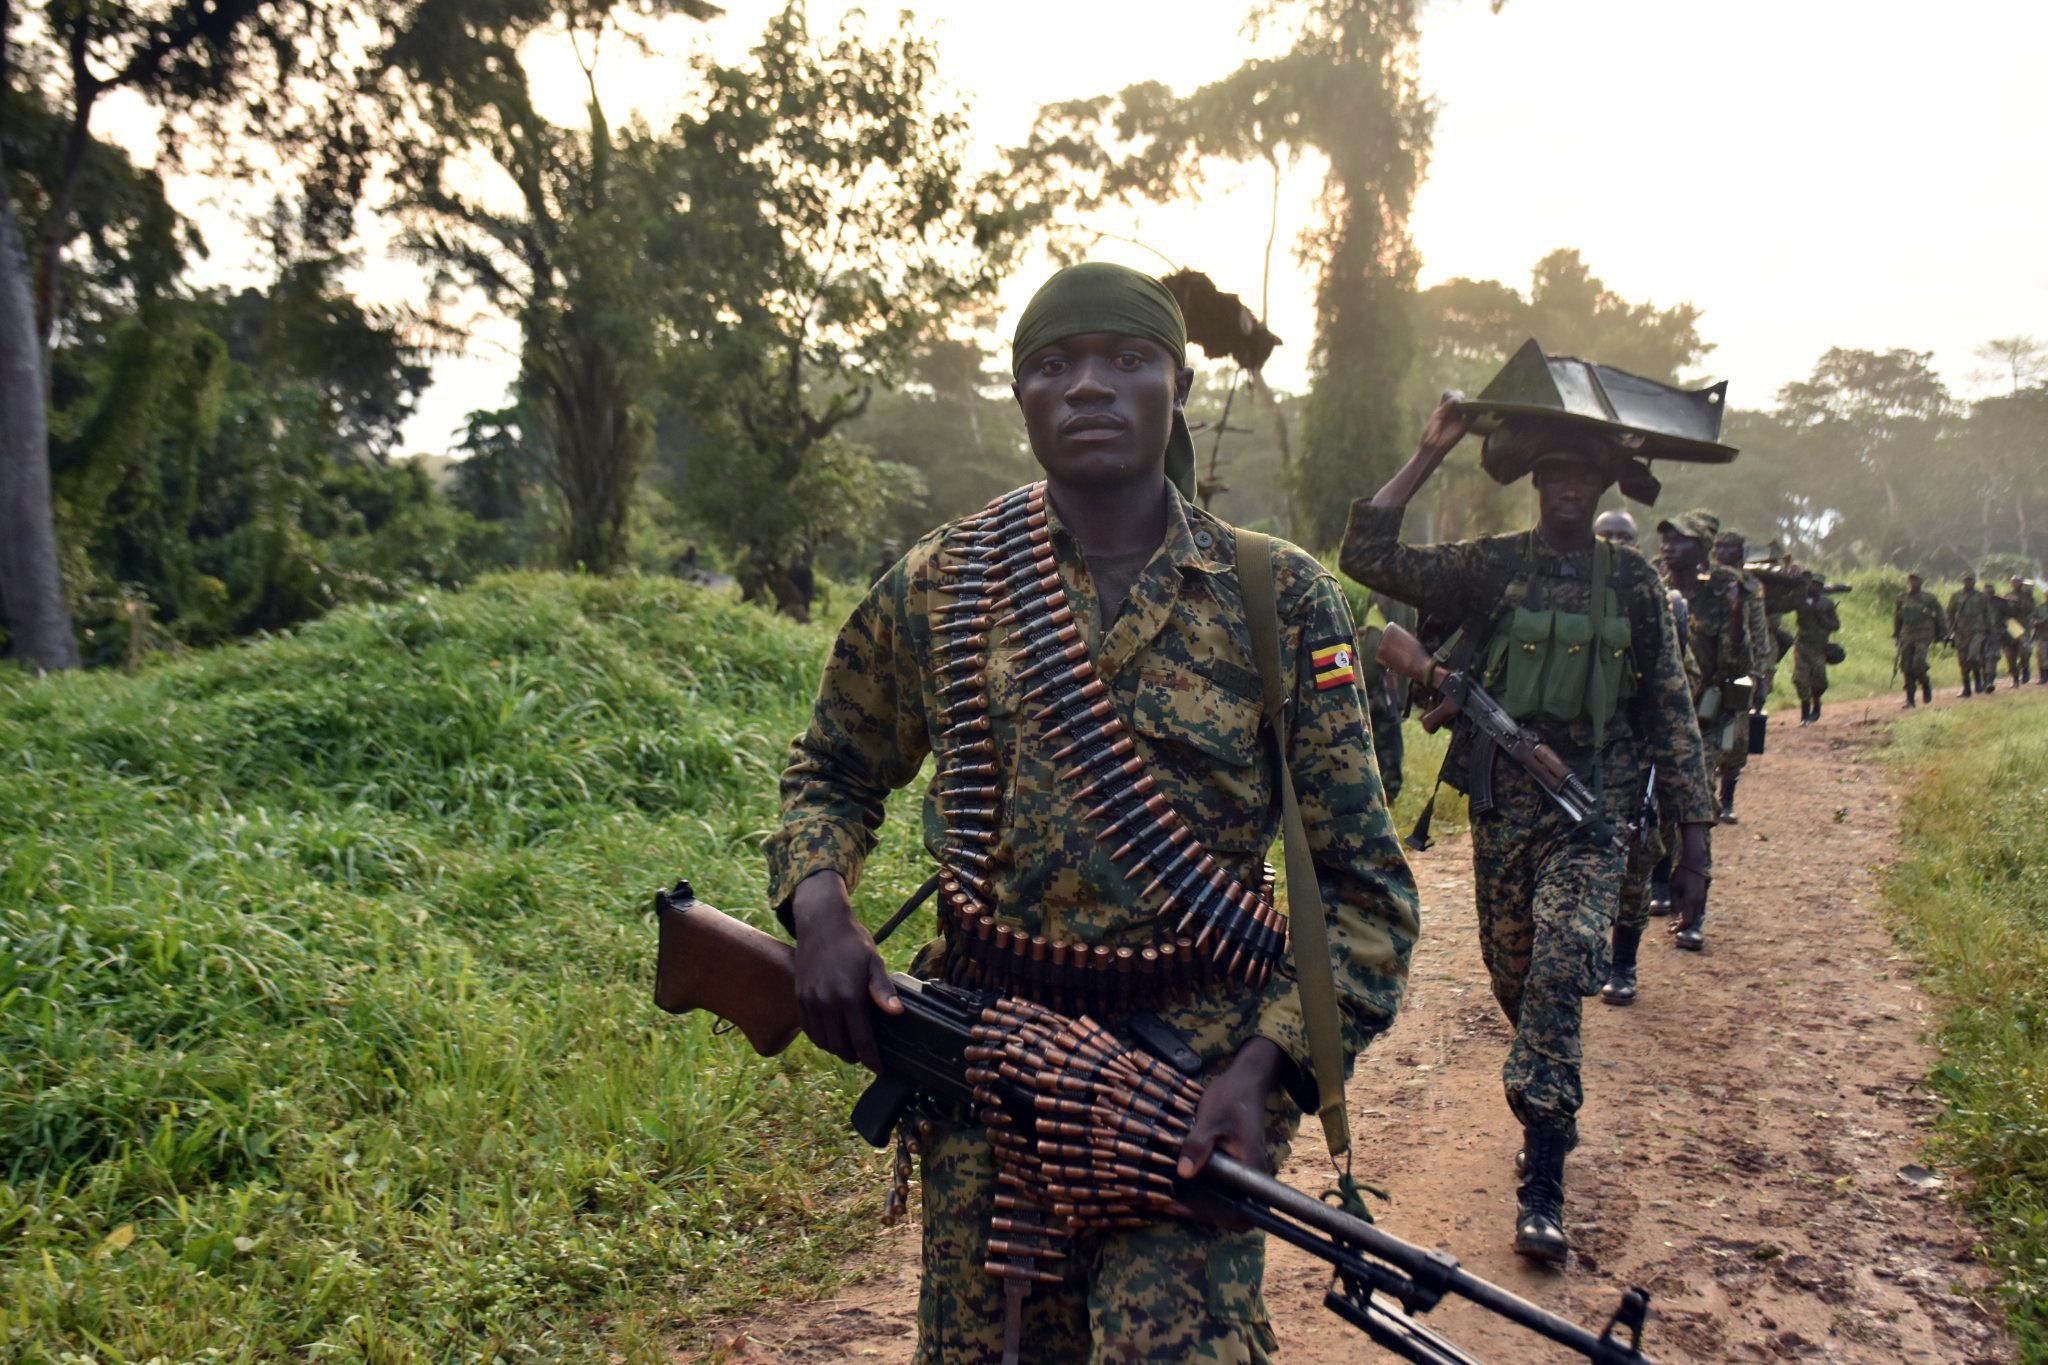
325, 1025
1971, 901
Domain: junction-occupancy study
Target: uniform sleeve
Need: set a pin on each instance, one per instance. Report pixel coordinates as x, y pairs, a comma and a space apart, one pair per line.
1763, 657
1369, 897
1439, 580
866, 738
1670, 725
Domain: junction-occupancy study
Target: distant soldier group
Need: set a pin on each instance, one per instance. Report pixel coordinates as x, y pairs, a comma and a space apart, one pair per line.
1981, 625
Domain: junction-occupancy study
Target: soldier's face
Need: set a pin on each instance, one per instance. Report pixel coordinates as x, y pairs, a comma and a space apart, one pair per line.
1567, 493
1099, 407
1682, 554
1727, 554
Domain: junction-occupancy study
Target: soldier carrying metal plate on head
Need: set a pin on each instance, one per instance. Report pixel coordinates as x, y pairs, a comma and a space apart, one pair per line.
1573, 636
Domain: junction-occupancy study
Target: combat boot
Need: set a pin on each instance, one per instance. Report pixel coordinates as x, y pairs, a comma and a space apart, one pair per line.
1816, 710
1621, 973
1539, 1203
1910, 703
1691, 933
1728, 799
1927, 691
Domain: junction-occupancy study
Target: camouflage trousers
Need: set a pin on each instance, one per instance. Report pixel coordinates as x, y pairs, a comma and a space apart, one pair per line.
1809, 675
1547, 895
1735, 753
1633, 908
1913, 663
1977, 656
2016, 661
1166, 1291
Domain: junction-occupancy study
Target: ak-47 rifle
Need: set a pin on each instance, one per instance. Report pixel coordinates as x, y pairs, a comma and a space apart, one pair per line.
1047, 1085
1459, 693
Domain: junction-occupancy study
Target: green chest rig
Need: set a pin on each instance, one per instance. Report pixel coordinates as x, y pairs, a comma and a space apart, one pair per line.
1549, 664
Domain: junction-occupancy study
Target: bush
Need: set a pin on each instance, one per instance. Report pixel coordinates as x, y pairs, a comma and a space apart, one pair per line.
324, 961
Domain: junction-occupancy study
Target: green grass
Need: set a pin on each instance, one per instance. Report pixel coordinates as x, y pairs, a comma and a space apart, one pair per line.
325, 1025
1971, 901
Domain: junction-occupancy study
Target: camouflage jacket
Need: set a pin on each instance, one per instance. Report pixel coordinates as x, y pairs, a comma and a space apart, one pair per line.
1467, 580
1972, 615
1720, 637
2038, 620
1178, 661
1818, 620
2020, 608
1756, 632
1917, 619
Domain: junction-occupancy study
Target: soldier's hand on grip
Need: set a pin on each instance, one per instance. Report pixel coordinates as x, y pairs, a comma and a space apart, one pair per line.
839, 975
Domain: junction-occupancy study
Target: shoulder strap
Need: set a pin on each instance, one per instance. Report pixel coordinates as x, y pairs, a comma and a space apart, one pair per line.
1596, 705
1309, 933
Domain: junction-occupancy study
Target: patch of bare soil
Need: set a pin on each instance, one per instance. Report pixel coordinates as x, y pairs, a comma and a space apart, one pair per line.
1745, 1129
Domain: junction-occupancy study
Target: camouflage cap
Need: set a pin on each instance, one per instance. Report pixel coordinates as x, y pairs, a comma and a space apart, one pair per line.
1729, 540
1698, 524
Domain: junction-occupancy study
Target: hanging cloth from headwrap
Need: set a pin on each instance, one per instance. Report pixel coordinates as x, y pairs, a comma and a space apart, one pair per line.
1097, 296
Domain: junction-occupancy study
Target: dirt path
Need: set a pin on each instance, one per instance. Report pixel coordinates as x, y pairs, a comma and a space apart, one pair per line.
1745, 1129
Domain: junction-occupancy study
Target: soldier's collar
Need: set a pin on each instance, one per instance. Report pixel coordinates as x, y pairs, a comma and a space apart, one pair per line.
1195, 539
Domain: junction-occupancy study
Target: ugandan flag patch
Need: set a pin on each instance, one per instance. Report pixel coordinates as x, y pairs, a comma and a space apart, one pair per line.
1335, 664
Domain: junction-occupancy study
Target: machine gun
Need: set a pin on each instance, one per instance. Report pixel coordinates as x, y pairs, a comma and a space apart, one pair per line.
1093, 1130
1459, 693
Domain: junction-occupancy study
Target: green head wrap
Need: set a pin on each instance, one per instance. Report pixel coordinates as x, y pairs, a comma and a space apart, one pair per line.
1097, 296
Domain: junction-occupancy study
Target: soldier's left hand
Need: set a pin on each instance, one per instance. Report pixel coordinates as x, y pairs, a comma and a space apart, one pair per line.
1232, 1113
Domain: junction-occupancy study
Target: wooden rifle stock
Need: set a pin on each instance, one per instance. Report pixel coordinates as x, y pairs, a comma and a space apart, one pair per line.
707, 960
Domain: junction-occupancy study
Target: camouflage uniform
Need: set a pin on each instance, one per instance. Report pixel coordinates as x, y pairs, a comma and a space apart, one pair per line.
1387, 744
1916, 623
1763, 666
2037, 622
2019, 608
1818, 620
1178, 663
1547, 892
1720, 652
1973, 623
1648, 848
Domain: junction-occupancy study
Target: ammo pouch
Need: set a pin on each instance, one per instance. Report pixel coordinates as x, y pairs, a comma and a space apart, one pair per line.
1541, 662
1709, 704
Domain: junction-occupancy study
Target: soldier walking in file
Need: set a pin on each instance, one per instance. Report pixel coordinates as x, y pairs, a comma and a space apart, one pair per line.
2037, 624
1763, 662
1720, 653
1917, 622
1972, 623
1573, 637
1818, 621
2013, 637
1078, 661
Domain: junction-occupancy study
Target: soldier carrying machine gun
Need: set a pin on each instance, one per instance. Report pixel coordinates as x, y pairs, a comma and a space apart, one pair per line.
1090, 1135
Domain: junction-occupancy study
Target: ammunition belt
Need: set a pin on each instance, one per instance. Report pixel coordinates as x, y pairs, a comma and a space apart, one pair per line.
1000, 570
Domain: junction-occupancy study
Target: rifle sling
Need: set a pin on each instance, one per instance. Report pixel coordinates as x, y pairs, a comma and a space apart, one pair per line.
1309, 936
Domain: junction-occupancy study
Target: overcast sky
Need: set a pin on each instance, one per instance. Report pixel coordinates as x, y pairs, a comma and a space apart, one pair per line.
1810, 173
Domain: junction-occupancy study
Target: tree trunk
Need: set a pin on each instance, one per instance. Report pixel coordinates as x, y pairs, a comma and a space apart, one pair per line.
31, 588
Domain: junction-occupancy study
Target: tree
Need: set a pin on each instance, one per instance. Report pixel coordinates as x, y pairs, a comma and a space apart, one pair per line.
2022, 361
830, 233
1868, 418
186, 56
570, 257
